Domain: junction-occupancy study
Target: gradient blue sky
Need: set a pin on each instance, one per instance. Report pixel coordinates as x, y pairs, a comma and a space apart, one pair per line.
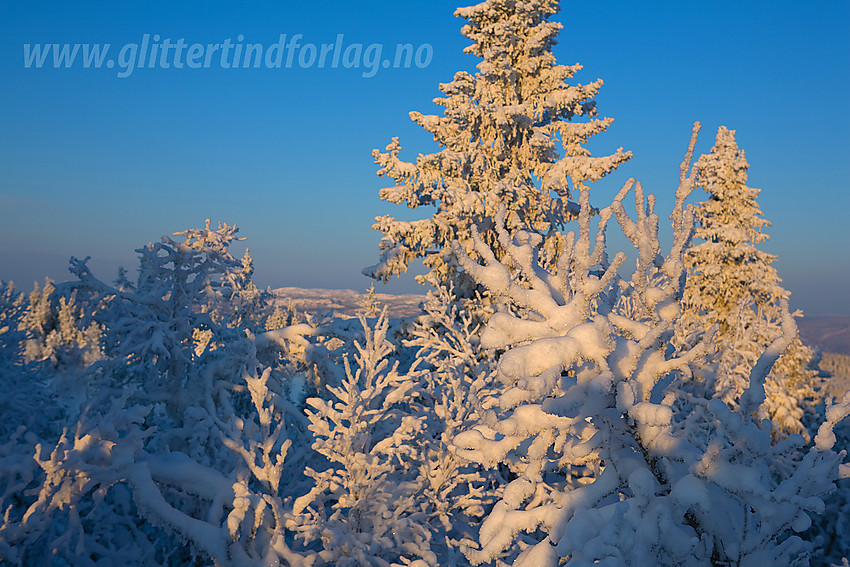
97, 165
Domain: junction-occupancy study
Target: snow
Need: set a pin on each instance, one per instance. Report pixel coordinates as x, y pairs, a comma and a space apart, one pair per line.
543, 404
344, 301
333, 440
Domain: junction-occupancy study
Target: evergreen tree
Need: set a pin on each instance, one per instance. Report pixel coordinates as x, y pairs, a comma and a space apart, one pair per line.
364, 505
498, 135
236, 301
156, 334
370, 306
617, 456
733, 285
57, 330
13, 307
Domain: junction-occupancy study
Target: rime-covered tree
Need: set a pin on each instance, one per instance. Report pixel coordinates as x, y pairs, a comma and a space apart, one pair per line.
499, 135
158, 333
13, 308
726, 268
618, 457
25, 400
363, 507
57, 331
236, 301
370, 306
733, 284
173, 446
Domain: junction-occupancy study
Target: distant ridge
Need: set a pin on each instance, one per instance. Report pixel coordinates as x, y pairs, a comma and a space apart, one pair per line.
830, 333
345, 301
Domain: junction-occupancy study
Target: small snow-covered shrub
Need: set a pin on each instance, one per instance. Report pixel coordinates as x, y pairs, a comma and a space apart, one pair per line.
73, 506
363, 507
457, 390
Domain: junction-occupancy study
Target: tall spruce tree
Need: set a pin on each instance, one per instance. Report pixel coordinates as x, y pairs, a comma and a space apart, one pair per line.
499, 135
733, 285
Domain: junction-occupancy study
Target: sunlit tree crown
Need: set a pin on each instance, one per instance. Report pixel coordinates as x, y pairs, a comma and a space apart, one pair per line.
499, 135
733, 285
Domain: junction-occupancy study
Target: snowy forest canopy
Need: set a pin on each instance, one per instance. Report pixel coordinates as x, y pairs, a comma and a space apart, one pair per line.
555, 402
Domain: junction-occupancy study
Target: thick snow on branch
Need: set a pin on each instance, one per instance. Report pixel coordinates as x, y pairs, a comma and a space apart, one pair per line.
620, 455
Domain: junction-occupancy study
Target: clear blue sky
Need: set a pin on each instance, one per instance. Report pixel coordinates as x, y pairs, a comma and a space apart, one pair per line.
93, 164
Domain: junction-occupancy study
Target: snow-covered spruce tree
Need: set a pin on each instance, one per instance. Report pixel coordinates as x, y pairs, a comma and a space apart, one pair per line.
25, 399
236, 302
12, 308
733, 284
499, 135
363, 508
457, 389
370, 306
619, 457
58, 332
